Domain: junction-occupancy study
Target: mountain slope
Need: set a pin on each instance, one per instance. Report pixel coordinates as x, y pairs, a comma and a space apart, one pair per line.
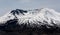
38, 17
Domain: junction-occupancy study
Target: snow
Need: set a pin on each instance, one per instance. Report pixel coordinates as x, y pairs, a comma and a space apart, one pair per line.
35, 16
6, 17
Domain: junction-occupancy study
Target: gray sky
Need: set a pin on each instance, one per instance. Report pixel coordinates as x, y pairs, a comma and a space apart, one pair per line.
8, 5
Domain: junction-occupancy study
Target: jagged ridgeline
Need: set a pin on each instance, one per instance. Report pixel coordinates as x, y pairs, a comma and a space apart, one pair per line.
30, 22
18, 11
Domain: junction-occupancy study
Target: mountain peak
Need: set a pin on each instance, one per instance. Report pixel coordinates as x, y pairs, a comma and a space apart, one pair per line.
18, 11
41, 20
36, 16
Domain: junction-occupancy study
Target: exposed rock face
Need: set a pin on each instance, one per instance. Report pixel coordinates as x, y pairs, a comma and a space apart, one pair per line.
32, 22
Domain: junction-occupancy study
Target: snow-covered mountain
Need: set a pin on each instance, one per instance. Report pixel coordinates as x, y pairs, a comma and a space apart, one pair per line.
38, 17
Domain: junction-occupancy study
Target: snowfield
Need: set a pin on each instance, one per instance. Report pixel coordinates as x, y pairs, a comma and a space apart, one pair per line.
43, 16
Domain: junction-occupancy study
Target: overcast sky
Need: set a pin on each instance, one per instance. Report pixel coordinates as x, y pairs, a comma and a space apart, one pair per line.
8, 5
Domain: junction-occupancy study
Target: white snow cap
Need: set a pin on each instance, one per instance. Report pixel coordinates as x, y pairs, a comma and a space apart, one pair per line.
38, 16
